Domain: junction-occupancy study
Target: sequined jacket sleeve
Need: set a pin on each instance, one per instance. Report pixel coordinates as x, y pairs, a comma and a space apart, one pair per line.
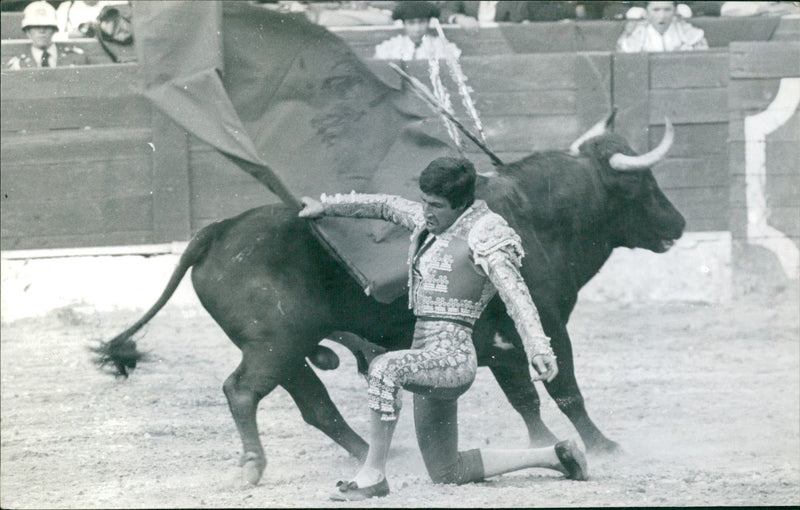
398, 210
497, 250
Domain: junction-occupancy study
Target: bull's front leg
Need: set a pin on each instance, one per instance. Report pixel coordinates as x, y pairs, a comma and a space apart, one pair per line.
515, 381
565, 392
500, 348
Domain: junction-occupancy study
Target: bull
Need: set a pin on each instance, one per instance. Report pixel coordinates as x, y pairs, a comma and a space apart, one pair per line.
276, 292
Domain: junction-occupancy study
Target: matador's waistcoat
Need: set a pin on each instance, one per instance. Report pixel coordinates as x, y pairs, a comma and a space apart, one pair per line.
455, 274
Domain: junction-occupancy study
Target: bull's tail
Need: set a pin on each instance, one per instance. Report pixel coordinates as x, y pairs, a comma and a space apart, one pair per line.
120, 352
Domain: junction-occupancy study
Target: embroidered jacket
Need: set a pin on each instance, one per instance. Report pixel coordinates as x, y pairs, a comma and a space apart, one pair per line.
455, 274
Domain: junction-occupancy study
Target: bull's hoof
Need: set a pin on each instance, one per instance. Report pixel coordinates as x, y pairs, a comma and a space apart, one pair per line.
252, 467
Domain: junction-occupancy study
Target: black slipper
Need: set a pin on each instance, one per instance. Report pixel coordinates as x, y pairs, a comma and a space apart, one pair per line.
350, 491
573, 460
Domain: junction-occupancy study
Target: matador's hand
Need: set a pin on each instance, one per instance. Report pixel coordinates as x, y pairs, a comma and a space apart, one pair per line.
311, 208
545, 366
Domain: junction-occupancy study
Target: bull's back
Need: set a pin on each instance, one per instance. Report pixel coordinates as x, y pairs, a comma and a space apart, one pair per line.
260, 277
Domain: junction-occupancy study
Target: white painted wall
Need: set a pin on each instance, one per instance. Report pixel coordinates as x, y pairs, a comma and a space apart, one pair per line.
697, 268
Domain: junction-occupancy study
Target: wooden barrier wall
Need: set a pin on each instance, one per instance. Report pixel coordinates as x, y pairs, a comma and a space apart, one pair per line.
572, 36
764, 194
87, 163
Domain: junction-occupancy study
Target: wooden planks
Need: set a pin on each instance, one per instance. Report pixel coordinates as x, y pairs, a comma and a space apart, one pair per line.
113, 80
689, 70
631, 92
756, 73
11, 25
73, 98
764, 60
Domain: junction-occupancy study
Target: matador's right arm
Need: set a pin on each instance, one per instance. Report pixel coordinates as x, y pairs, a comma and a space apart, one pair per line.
393, 208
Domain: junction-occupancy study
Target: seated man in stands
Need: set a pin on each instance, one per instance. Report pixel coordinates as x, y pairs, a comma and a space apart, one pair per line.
661, 30
415, 42
40, 25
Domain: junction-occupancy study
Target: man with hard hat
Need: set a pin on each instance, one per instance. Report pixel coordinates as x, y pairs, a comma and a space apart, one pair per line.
40, 24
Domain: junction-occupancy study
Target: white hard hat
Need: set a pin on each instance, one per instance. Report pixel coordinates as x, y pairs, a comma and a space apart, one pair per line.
39, 14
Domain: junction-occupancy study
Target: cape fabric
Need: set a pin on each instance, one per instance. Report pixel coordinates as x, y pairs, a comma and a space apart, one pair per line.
292, 105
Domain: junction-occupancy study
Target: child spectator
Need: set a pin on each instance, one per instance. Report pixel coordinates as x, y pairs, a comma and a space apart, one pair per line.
661, 30
415, 42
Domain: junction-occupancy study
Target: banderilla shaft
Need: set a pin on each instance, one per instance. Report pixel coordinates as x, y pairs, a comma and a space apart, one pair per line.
422, 91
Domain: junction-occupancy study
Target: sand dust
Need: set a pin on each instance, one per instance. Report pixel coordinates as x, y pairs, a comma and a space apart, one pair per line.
704, 398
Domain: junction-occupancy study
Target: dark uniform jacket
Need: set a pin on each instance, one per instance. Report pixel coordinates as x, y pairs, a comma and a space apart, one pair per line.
68, 55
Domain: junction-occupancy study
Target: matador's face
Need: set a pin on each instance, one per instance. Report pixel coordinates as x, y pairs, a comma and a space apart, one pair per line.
439, 215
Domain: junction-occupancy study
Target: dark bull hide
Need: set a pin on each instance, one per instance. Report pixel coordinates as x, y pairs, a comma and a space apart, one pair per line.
276, 292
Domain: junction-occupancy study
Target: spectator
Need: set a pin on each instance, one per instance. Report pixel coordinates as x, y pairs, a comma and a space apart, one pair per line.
40, 25
415, 42
76, 16
661, 30
759, 9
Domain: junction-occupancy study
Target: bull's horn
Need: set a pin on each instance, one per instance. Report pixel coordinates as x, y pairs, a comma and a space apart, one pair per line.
596, 130
622, 162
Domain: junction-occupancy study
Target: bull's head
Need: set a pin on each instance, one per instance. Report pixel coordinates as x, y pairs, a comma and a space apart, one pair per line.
642, 216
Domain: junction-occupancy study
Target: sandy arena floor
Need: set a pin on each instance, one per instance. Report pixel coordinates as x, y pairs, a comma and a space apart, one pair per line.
704, 398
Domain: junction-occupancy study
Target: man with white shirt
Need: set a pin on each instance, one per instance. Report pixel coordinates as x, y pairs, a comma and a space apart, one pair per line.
40, 25
661, 30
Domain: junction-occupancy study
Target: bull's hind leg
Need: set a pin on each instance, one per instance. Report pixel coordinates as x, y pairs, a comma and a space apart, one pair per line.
522, 395
318, 410
244, 389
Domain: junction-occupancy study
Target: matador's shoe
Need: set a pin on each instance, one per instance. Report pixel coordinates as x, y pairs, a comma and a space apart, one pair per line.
350, 491
573, 460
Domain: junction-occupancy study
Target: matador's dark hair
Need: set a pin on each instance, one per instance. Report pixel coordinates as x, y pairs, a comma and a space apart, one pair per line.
451, 178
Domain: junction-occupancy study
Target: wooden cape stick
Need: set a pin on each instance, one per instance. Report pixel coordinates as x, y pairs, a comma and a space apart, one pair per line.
422, 91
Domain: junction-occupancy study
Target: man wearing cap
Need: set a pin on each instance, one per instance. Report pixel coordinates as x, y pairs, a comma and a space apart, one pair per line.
40, 24
415, 42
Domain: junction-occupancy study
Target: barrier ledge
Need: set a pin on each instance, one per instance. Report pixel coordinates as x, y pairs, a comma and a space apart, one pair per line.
175, 247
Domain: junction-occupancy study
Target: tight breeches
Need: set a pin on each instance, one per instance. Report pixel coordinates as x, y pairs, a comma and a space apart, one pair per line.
439, 367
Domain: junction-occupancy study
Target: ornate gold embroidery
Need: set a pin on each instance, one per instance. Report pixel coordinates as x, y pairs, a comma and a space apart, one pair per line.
398, 210
495, 248
504, 274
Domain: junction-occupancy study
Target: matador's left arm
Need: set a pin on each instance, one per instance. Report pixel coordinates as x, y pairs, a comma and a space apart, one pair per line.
497, 249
